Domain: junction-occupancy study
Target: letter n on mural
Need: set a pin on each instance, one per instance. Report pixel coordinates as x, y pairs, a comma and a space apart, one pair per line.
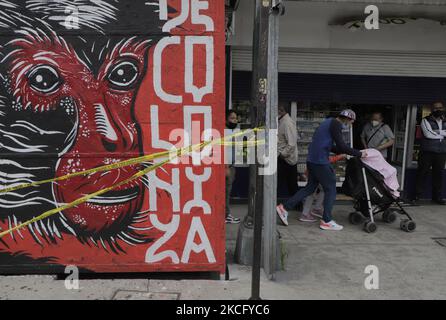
85, 84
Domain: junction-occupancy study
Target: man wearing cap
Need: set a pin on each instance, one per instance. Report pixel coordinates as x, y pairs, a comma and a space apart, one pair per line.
327, 138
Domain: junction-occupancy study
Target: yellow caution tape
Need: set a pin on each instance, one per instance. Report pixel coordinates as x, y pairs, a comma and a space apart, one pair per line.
172, 155
82, 200
125, 163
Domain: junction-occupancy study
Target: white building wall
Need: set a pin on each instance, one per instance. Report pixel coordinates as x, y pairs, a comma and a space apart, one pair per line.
313, 39
308, 25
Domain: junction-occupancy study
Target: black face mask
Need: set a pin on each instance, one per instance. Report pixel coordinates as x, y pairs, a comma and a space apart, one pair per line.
438, 113
231, 125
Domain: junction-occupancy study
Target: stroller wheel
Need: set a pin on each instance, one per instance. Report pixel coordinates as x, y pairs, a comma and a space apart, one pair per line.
408, 225
355, 218
370, 227
389, 216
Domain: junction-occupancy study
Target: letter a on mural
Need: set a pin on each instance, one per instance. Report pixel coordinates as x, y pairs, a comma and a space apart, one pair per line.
87, 84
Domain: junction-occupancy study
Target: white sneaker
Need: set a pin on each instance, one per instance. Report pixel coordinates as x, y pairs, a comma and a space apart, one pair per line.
283, 214
332, 226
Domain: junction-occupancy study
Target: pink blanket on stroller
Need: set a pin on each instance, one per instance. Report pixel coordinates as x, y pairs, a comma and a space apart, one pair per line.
376, 161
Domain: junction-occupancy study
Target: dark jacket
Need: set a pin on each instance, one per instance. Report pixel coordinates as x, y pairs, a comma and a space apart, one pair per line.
434, 139
328, 138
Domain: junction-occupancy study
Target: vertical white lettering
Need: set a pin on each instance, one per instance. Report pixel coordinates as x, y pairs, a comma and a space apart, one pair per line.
195, 135
198, 180
190, 87
157, 143
175, 22
163, 10
158, 69
196, 228
197, 18
169, 229
173, 189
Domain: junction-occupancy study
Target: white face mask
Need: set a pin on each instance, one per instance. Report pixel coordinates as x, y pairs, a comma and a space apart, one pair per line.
375, 123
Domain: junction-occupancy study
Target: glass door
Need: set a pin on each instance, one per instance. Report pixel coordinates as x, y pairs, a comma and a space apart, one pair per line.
403, 149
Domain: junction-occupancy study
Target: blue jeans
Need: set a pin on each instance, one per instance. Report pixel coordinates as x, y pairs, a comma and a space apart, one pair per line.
324, 175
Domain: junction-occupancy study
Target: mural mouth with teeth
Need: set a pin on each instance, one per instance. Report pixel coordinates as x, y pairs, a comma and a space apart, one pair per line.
116, 197
107, 216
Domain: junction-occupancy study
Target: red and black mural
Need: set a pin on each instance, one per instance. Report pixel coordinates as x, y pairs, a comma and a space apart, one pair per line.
86, 84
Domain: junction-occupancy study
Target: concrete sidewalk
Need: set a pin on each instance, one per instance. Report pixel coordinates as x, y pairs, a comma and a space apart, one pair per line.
318, 265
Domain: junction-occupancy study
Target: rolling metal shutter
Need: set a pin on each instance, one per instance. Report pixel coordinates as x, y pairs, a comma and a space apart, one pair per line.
359, 62
350, 77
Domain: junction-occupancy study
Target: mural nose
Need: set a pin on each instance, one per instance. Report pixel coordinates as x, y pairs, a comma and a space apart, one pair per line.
104, 125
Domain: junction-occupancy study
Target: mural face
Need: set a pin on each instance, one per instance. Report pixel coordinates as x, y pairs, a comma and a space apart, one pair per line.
71, 73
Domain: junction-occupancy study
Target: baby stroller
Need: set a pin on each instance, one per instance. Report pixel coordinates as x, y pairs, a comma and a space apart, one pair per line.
371, 196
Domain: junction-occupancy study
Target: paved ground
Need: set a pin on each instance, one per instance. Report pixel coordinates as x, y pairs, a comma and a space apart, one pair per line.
318, 265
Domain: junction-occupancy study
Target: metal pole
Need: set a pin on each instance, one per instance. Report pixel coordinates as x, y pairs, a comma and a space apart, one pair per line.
406, 142
249, 219
259, 96
270, 178
367, 192
264, 104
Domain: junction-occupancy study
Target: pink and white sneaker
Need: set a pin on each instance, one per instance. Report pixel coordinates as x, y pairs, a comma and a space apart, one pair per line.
307, 218
283, 214
332, 226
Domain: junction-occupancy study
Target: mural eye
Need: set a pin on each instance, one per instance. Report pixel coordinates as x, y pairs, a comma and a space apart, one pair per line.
44, 79
124, 75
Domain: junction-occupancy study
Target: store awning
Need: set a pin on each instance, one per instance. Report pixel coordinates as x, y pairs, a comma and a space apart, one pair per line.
353, 89
406, 2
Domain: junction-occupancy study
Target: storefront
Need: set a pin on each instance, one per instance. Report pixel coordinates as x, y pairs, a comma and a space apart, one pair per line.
328, 61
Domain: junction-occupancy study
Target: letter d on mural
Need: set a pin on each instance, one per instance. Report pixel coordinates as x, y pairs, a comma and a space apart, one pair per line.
93, 84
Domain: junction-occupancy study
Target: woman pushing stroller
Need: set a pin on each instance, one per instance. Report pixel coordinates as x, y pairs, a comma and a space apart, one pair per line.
327, 138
